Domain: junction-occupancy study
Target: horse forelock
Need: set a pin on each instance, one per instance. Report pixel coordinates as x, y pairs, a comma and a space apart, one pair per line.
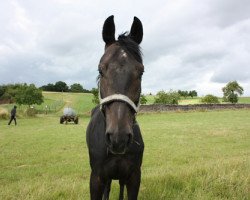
130, 46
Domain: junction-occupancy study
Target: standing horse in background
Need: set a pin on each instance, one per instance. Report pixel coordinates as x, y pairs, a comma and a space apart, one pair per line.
113, 136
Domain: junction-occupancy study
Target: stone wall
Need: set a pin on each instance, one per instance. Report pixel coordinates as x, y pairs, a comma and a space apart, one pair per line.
165, 107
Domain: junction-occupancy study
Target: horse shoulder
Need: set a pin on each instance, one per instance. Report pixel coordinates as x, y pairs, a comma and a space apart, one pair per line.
96, 133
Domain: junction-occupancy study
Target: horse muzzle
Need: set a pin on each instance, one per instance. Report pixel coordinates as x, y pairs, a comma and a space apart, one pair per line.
118, 143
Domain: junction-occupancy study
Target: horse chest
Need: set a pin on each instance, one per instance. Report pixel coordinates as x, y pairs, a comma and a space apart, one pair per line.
117, 167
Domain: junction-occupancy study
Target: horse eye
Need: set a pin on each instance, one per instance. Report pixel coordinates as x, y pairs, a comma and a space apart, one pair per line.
140, 75
100, 72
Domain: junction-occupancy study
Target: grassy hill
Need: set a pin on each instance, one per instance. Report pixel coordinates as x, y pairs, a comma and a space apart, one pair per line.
192, 155
80, 102
56, 101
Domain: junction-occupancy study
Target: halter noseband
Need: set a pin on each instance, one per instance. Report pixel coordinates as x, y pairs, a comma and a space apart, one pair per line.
117, 97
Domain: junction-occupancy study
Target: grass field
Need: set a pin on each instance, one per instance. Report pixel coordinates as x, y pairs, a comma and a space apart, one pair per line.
80, 102
188, 155
195, 100
244, 100
193, 155
55, 102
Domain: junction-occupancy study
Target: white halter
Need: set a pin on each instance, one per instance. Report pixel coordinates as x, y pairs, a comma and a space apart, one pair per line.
117, 97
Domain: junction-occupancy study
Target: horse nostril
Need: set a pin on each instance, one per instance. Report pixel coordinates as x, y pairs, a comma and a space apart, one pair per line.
108, 138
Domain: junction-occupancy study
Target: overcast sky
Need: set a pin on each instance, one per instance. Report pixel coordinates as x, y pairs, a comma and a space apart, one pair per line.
187, 44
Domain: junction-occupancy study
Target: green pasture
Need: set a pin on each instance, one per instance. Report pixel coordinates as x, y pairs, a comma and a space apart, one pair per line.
244, 100
194, 100
55, 102
188, 155
80, 102
182, 101
188, 101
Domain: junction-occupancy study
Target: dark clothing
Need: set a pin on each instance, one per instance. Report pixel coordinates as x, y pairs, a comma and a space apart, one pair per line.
13, 112
11, 118
13, 115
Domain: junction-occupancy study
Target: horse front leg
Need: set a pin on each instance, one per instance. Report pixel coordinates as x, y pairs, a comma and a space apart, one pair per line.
133, 185
107, 190
121, 195
97, 186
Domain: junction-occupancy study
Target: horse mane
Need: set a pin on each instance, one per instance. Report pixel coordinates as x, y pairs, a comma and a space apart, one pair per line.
129, 45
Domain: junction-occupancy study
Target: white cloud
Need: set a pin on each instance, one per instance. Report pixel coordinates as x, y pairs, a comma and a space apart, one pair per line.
187, 44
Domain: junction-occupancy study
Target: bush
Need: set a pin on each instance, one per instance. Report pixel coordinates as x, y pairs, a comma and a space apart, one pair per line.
4, 113
233, 98
170, 97
143, 99
95, 93
210, 99
8, 92
29, 95
31, 112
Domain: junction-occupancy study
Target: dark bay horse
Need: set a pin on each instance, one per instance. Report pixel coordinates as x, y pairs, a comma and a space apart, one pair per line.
113, 136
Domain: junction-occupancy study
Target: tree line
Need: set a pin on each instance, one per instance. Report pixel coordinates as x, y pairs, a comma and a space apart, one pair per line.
231, 93
61, 86
21, 93
24, 94
186, 93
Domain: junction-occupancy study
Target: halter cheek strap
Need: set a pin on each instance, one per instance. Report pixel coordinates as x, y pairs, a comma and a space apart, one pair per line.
117, 97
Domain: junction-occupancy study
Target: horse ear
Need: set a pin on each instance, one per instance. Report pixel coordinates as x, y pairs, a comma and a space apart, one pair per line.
108, 31
136, 32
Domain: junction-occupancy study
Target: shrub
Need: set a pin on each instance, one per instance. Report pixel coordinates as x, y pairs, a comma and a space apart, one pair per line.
210, 99
31, 112
95, 93
29, 95
143, 99
4, 113
170, 97
233, 98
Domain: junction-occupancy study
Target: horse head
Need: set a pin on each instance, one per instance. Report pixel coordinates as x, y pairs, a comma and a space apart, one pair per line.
120, 73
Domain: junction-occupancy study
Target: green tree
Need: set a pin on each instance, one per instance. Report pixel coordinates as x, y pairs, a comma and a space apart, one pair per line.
86, 91
8, 92
192, 93
61, 86
76, 87
143, 99
170, 97
180, 92
29, 95
2, 90
233, 98
185, 94
231, 92
48, 87
95, 93
209, 99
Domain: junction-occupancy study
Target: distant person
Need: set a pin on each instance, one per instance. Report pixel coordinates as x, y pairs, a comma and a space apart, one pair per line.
13, 115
